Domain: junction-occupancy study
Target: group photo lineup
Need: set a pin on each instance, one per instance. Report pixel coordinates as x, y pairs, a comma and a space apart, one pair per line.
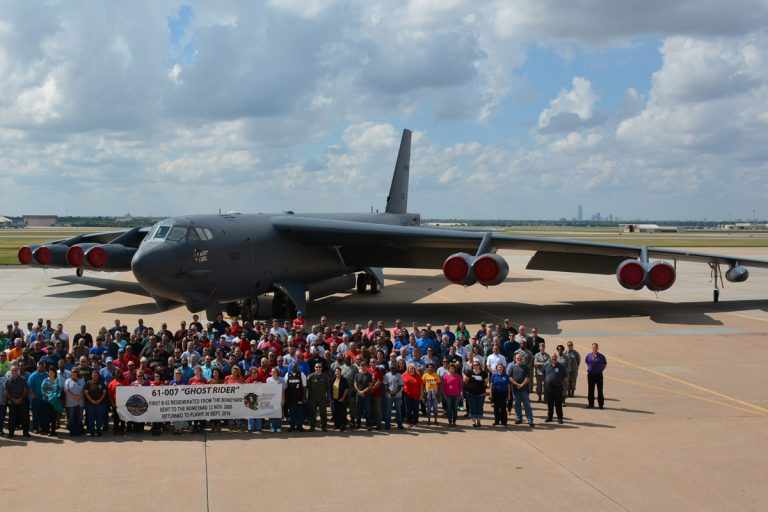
405, 254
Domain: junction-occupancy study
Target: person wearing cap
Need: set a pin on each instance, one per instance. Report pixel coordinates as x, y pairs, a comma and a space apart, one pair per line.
574, 360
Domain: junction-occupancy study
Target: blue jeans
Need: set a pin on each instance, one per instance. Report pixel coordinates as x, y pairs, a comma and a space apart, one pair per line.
39, 414
476, 406
389, 403
75, 420
522, 399
431, 403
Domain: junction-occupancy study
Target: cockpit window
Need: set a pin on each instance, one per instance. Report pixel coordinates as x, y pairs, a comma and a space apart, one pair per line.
161, 232
201, 234
177, 234
192, 234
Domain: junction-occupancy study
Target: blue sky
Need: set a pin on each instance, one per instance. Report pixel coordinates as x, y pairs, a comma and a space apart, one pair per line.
521, 108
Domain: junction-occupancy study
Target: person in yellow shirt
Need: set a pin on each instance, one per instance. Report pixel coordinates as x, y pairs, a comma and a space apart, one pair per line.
431, 382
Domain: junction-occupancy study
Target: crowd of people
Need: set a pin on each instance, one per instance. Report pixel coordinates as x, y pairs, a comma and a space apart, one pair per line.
372, 377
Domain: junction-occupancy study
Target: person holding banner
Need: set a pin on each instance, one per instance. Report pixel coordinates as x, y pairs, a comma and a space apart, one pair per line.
275, 378
318, 386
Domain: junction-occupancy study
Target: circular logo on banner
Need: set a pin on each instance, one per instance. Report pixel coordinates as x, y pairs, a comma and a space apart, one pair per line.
251, 401
137, 405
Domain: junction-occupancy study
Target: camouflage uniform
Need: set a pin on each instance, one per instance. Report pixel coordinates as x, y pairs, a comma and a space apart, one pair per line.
573, 359
540, 360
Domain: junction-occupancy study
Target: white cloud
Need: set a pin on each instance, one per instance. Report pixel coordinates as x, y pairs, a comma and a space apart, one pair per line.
579, 101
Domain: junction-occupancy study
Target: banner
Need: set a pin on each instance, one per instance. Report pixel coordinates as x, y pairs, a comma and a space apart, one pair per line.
147, 404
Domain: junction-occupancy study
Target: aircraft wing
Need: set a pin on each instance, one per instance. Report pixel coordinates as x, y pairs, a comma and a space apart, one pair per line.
363, 244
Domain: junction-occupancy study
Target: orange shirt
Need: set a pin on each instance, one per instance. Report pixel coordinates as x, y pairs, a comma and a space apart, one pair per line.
15, 353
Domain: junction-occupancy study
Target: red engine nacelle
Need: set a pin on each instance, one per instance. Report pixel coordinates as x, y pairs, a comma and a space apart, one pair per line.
661, 276
490, 269
457, 268
631, 274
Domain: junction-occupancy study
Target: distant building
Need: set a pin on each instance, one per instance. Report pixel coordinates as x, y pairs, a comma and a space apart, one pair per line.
743, 226
40, 221
580, 213
647, 228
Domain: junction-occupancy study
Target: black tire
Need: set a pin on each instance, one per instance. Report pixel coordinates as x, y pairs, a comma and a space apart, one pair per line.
374, 285
79, 272
362, 282
716, 296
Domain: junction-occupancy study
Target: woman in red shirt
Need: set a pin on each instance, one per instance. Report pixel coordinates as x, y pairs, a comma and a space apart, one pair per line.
412, 389
236, 377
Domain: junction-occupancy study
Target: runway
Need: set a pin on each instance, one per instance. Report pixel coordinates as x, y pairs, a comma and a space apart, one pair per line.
685, 428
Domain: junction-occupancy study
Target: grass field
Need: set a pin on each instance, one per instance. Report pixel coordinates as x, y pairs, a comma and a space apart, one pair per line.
12, 239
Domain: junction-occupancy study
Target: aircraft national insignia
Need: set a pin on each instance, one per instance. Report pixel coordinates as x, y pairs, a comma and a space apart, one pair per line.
200, 255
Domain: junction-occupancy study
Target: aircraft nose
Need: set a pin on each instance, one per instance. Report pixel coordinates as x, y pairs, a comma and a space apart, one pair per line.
149, 265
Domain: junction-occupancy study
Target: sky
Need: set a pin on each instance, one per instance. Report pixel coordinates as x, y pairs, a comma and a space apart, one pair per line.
521, 109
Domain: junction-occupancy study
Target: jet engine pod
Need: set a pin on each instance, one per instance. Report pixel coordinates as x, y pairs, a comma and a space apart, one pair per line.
51, 255
25, 255
631, 274
76, 254
457, 268
661, 276
109, 257
490, 269
737, 274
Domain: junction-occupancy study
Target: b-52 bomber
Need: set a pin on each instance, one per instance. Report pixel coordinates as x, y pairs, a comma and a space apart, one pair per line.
226, 261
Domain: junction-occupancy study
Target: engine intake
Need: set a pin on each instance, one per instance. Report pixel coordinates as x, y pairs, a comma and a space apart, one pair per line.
490, 269
631, 274
737, 274
457, 268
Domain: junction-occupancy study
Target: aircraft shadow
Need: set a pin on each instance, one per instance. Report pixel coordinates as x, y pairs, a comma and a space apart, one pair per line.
109, 285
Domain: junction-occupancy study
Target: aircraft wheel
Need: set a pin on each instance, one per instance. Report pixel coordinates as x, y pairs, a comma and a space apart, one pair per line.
362, 282
79, 272
716, 296
374, 285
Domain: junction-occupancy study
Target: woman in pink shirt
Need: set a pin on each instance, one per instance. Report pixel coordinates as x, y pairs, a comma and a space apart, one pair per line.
452, 384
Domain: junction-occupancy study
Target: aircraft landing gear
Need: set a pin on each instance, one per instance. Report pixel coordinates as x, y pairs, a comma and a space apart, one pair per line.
282, 306
717, 278
366, 281
79, 272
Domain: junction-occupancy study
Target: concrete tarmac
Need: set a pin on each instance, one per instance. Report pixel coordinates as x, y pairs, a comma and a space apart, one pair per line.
685, 425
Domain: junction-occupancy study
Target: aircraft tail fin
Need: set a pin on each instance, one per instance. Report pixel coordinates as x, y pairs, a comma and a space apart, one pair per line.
397, 200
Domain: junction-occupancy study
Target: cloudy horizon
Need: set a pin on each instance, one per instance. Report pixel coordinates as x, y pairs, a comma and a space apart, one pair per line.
520, 109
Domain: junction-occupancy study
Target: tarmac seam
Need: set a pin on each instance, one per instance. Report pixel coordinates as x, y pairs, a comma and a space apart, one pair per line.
572, 473
687, 395
206, 502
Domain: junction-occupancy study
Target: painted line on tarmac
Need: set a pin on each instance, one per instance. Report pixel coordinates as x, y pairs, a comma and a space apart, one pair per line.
682, 393
761, 410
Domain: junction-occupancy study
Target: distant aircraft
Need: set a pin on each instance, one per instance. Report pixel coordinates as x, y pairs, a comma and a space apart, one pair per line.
225, 262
